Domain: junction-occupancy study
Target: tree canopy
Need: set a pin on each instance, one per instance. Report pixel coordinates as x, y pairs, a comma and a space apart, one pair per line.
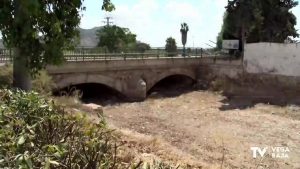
116, 39
39, 30
171, 46
184, 30
267, 20
39, 27
108, 6
142, 47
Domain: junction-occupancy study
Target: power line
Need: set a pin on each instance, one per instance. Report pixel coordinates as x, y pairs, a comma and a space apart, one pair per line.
212, 42
209, 45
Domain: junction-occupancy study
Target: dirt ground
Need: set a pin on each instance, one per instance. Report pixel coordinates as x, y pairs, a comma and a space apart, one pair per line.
206, 130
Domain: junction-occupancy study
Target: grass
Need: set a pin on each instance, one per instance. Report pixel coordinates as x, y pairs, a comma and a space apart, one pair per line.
6, 78
41, 83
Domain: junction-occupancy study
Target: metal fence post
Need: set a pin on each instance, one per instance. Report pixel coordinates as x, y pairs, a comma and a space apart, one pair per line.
215, 58
201, 51
10, 55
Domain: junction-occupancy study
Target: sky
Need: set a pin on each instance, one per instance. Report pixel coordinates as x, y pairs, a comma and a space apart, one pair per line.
153, 21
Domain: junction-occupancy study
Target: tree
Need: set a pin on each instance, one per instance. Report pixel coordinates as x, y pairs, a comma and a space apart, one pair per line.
38, 31
142, 47
108, 6
245, 14
229, 29
184, 30
260, 21
171, 46
115, 38
278, 22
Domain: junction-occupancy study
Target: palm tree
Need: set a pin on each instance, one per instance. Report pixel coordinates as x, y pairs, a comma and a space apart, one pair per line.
184, 30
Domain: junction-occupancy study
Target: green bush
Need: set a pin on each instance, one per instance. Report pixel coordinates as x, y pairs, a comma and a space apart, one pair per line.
35, 133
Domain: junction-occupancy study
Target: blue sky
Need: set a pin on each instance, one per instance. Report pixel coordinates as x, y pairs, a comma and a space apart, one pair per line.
155, 20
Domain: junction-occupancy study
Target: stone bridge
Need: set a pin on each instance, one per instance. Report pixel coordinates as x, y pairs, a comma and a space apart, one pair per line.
133, 78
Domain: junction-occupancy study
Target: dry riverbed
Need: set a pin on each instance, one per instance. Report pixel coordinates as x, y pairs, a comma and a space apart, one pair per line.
205, 130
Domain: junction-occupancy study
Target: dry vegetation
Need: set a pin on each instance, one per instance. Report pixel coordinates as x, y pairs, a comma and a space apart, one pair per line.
205, 129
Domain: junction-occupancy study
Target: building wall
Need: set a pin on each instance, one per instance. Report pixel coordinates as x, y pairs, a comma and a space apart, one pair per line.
272, 58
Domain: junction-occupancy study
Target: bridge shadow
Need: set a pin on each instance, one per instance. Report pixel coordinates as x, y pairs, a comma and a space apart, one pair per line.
172, 86
233, 102
94, 93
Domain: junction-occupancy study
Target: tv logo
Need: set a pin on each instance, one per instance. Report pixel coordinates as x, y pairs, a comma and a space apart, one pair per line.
274, 152
258, 151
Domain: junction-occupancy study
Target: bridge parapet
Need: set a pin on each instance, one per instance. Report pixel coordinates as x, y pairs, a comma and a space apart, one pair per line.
96, 54
111, 65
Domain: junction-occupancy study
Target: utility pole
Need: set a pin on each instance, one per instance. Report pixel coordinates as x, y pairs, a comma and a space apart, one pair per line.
107, 21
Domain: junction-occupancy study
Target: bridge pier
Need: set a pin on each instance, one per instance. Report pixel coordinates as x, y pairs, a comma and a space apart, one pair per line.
136, 90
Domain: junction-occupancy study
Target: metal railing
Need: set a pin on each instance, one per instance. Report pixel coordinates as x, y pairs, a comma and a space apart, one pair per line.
97, 54
84, 54
5, 55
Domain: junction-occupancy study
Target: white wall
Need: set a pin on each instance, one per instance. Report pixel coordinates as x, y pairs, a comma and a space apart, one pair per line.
272, 58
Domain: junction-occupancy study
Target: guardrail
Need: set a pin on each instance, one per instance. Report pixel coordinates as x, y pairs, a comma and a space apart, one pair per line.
93, 54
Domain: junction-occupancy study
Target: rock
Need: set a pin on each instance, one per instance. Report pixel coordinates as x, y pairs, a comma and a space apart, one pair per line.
93, 106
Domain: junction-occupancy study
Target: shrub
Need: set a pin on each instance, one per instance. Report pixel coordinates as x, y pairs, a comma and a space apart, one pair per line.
35, 133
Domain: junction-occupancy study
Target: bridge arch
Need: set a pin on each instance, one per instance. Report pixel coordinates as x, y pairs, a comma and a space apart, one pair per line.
163, 75
79, 79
